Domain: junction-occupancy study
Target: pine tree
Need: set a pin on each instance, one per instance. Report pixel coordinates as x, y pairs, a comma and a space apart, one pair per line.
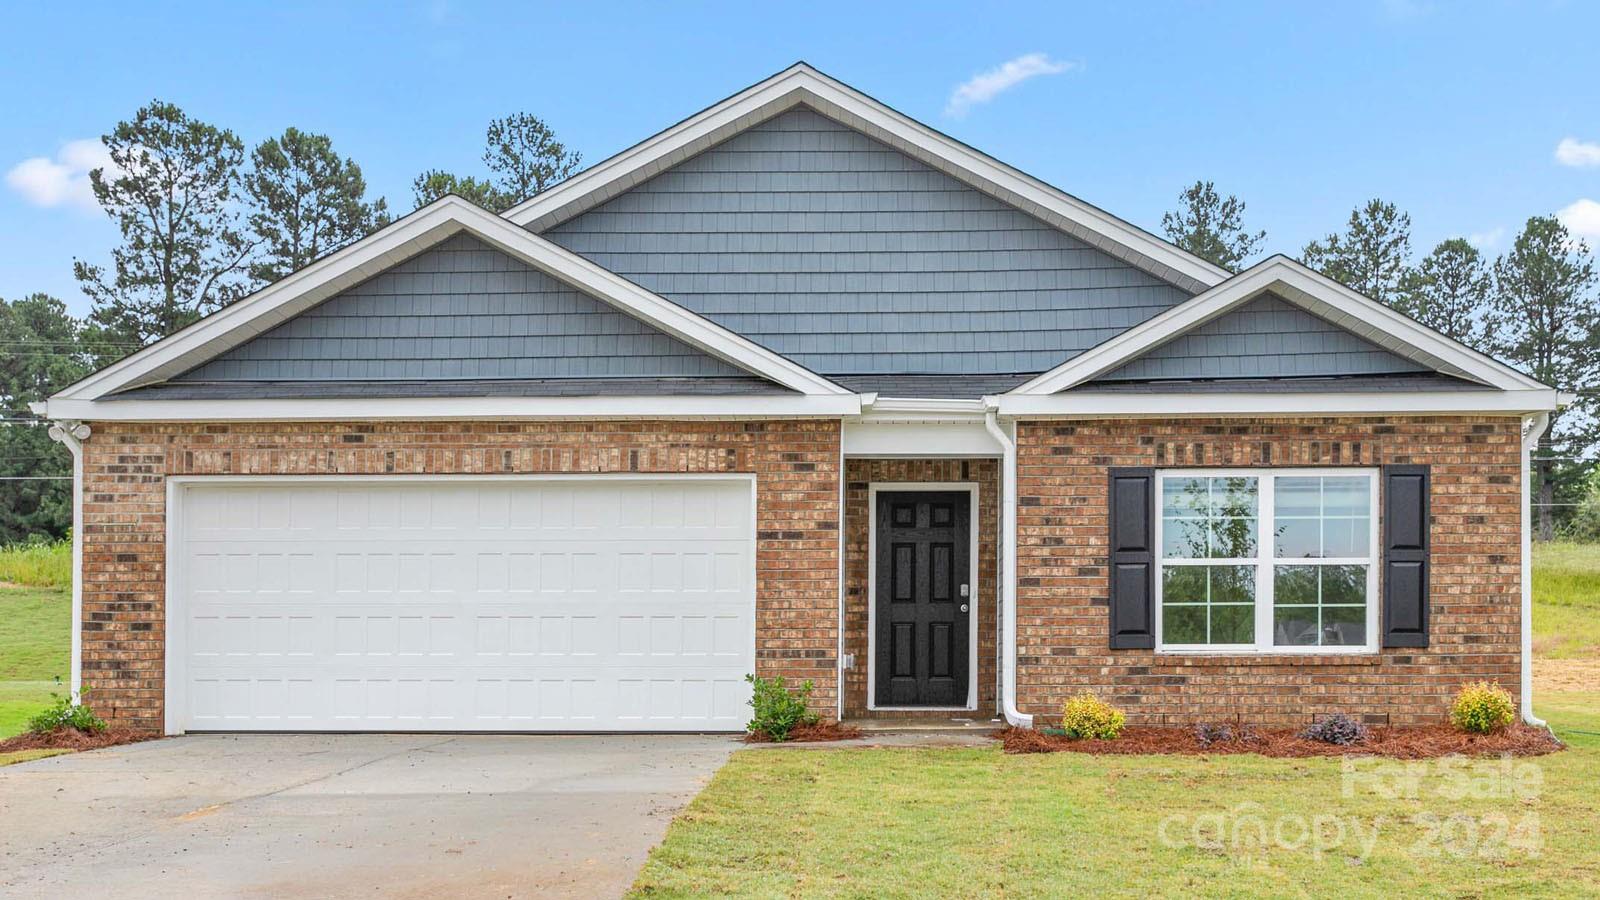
307, 203
1212, 227
1449, 291
173, 192
1545, 318
1371, 255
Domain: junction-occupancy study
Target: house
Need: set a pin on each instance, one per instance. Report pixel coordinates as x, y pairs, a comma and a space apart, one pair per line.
803, 387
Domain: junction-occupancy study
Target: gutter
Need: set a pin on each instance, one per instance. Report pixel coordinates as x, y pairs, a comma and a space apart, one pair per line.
72, 435
1008, 579
1533, 428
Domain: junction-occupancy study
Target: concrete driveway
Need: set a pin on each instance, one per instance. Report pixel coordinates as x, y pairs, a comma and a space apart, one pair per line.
348, 815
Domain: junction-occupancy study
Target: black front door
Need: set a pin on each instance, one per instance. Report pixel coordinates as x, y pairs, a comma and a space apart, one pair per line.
922, 598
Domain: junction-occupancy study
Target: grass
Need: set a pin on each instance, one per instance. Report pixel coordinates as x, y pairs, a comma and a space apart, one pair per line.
35, 637
37, 565
1566, 609
859, 823
970, 822
22, 756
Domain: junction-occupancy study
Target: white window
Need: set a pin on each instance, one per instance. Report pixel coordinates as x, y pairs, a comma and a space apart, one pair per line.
1279, 561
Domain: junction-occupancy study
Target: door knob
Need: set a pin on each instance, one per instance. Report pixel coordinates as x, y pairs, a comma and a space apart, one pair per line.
963, 607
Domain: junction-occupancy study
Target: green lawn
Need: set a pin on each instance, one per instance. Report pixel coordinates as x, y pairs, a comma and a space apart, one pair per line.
858, 823
1566, 594
35, 634
887, 823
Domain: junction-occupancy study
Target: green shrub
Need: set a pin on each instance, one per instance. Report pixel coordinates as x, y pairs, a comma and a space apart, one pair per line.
1087, 716
1482, 707
777, 709
37, 564
63, 713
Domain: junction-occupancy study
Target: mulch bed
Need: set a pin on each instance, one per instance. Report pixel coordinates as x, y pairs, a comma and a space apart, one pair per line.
73, 739
1421, 742
810, 734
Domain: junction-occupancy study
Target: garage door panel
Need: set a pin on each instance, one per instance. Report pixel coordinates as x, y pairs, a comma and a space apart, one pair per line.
518, 604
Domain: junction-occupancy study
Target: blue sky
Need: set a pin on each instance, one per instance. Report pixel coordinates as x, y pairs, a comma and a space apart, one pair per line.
1454, 111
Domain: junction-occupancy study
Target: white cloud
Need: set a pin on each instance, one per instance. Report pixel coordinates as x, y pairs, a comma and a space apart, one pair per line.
1487, 239
63, 181
1576, 153
987, 85
1582, 218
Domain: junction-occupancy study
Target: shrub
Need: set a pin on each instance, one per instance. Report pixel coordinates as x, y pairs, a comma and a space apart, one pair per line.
1482, 707
1206, 734
63, 713
1337, 729
1087, 716
777, 709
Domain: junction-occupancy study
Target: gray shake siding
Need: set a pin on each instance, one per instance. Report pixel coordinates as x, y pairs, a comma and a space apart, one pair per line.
460, 310
852, 258
1266, 338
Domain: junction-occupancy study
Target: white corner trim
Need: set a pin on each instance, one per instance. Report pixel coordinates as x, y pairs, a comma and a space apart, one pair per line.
1533, 428
1310, 290
871, 593
458, 408
1119, 404
401, 240
801, 84
72, 435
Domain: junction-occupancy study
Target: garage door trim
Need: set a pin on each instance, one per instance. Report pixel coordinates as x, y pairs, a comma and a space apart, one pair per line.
175, 698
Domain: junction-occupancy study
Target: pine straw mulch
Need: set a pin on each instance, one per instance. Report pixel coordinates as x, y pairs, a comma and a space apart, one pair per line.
1420, 742
809, 734
73, 739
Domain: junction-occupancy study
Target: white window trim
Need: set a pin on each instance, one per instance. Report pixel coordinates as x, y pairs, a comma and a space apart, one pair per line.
1264, 562
873, 489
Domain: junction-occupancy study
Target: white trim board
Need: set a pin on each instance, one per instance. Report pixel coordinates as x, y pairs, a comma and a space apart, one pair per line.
439, 408
403, 239
973, 592
1120, 405
1310, 290
800, 84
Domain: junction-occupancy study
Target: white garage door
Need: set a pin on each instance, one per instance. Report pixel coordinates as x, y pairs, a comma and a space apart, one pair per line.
463, 604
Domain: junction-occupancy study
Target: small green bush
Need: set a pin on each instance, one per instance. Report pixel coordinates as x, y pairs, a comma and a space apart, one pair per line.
777, 709
63, 713
1087, 716
1482, 707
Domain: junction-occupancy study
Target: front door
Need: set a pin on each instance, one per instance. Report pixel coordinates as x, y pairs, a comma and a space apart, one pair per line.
922, 598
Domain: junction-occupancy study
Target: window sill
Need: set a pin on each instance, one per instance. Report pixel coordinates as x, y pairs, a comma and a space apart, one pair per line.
1193, 658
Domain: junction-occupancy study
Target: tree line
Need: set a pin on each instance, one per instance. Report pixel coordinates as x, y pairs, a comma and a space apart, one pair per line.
203, 223
1535, 307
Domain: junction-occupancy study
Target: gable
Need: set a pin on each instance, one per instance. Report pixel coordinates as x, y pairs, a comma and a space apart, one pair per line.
850, 257
1266, 337
460, 310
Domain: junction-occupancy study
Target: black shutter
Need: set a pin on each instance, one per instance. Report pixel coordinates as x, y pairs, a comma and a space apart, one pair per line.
1132, 559
1405, 556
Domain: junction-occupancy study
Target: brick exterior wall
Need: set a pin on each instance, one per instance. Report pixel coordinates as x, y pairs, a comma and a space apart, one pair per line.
1062, 565
1062, 593
859, 473
126, 466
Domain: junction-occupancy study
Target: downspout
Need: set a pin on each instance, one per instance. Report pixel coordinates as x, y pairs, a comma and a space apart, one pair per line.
1008, 568
1533, 428
72, 435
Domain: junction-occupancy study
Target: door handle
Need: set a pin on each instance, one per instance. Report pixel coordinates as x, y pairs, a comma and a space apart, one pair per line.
963, 607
